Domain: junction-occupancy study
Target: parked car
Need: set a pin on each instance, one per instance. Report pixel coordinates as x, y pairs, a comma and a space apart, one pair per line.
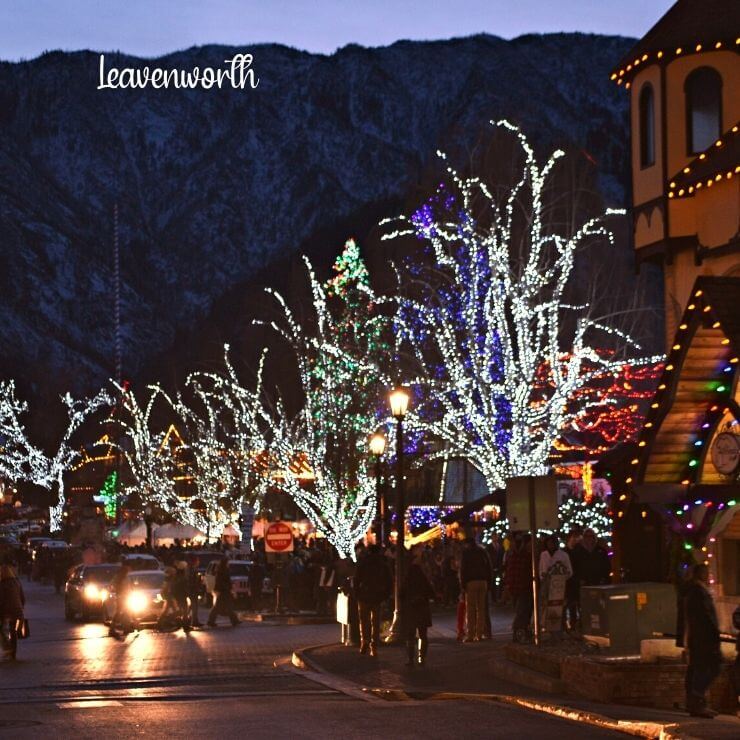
141, 561
143, 597
239, 572
87, 590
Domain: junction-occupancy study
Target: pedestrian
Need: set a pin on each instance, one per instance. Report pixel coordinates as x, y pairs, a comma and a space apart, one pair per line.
194, 588
120, 586
416, 591
256, 580
12, 603
554, 560
572, 587
518, 584
591, 561
180, 588
555, 570
475, 575
223, 600
373, 585
702, 641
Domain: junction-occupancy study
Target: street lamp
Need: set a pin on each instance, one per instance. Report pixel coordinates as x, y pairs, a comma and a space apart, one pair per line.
399, 402
377, 448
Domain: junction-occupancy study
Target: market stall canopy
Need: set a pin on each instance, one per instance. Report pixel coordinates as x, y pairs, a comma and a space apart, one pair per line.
132, 533
168, 533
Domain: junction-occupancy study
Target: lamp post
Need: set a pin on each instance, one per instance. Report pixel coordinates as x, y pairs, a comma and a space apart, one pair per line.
377, 448
399, 402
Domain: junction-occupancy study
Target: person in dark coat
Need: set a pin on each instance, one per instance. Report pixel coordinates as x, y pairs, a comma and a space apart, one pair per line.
194, 589
256, 580
120, 586
518, 584
475, 577
12, 602
591, 566
223, 602
702, 641
416, 592
373, 585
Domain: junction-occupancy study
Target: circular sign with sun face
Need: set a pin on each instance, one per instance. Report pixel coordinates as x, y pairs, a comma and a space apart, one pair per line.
726, 453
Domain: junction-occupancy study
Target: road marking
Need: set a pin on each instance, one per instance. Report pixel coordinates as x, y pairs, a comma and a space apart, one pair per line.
89, 704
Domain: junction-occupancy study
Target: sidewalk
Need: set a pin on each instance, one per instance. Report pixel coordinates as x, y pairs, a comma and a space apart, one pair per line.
455, 669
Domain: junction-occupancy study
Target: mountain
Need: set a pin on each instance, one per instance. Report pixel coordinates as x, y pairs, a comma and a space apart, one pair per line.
217, 188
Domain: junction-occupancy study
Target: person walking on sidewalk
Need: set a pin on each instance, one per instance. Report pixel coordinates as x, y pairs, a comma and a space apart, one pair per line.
416, 592
12, 602
223, 602
475, 575
373, 585
702, 641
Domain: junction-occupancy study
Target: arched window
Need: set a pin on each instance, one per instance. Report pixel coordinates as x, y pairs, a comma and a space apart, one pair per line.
647, 126
703, 109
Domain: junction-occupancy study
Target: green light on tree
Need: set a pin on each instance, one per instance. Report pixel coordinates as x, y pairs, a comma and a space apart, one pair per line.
109, 494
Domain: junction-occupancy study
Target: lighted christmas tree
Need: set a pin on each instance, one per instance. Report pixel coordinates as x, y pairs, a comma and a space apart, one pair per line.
340, 370
109, 494
505, 358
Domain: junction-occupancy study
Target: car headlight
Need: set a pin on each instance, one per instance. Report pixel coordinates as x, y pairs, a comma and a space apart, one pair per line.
92, 592
137, 602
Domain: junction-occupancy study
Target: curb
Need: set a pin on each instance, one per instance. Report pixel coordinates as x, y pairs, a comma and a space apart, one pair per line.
311, 670
651, 730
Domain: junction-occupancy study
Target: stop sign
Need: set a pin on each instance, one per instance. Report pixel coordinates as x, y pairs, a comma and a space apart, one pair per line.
278, 538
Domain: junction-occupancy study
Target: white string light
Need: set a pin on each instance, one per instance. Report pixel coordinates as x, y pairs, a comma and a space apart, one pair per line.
502, 299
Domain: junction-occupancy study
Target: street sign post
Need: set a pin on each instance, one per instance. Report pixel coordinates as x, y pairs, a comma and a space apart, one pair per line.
533, 500
246, 523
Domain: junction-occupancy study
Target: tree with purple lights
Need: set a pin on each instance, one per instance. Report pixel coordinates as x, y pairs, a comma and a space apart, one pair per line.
503, 355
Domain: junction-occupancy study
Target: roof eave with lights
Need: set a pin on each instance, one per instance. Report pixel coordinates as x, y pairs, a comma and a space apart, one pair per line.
700, 313
625, 72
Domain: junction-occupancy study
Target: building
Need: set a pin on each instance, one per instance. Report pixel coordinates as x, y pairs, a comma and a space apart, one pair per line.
678, 499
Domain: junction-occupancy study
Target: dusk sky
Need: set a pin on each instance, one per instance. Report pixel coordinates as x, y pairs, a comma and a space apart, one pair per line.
154, 27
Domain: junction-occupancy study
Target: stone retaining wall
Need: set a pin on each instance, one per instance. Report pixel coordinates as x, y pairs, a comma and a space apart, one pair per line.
658, 685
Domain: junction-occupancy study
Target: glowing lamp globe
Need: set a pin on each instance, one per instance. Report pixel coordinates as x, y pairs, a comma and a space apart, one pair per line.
377, 444
399, 401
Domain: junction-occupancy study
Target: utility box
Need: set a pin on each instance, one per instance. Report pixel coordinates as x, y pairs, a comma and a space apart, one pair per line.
619, 616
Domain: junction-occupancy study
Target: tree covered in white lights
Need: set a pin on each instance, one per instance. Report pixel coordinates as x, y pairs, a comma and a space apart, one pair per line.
504, 356
148, 451
21, 460
341, 380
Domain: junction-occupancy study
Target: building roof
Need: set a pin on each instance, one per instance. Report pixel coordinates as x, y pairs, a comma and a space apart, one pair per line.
695, 391
689, 27
721, 160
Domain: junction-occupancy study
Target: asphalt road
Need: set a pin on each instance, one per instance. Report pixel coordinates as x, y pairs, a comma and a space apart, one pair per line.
72, 680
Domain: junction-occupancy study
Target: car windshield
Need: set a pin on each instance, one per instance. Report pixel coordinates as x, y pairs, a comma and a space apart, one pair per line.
100, 575
148, 580
238, 569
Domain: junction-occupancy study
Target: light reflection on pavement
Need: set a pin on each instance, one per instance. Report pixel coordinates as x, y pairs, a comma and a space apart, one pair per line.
71, 660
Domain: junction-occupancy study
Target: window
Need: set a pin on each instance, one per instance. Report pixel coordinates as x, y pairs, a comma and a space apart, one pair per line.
703, 109
647, 126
